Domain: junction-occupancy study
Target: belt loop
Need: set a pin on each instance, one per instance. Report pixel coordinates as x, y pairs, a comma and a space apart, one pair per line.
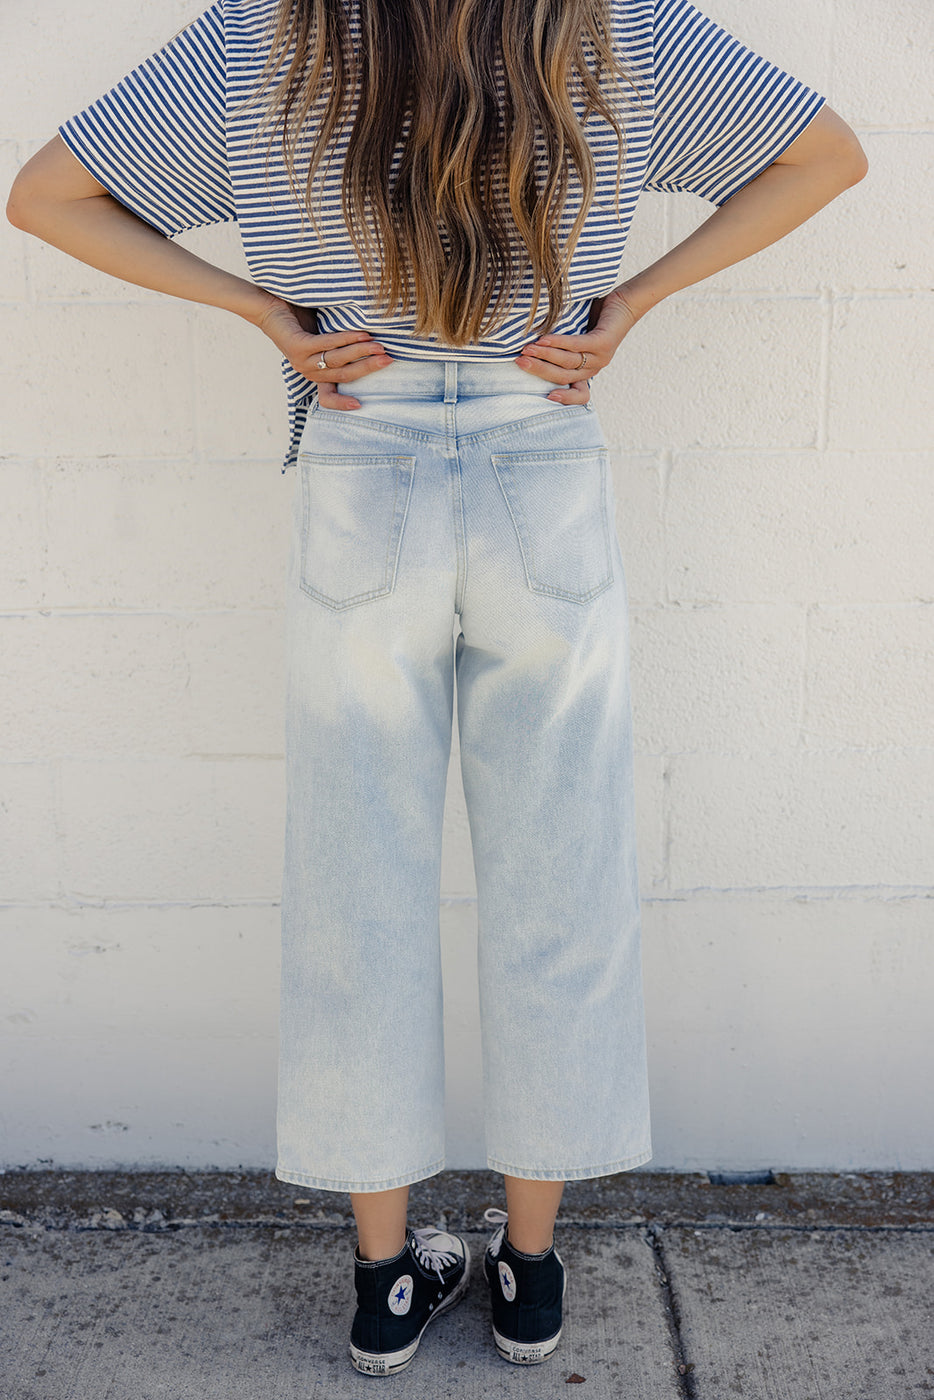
450, 381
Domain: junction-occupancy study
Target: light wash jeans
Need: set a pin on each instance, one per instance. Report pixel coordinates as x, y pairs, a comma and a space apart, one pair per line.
458, 490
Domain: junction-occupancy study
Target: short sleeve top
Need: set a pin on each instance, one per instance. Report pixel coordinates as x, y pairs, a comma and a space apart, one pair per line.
175, 142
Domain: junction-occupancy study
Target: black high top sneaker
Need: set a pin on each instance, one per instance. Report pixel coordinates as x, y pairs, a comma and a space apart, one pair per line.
526, 1295
398, 1297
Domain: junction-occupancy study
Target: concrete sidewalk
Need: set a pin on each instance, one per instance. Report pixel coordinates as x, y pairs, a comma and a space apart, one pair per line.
235, 1286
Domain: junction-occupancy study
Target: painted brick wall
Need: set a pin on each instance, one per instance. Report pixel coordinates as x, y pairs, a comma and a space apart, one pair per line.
771, 431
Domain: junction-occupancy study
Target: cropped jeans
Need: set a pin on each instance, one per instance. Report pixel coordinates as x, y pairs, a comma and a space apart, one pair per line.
457, 528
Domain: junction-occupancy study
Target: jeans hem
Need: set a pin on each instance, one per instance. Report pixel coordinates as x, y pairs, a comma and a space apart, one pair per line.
325, 1183
569, 1173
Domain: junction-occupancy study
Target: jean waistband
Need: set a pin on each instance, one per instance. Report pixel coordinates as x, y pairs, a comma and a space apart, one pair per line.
447, 380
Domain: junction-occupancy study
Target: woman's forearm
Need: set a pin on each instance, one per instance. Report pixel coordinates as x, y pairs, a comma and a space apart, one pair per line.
771, 205
100, 231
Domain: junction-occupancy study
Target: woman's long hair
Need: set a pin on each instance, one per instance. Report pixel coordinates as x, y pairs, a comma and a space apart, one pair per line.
483, 179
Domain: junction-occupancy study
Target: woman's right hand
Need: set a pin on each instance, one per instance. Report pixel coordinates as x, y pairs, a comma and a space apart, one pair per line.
349, 354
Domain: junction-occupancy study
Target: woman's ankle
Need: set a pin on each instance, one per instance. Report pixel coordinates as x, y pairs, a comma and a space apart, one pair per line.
532, 1206
381, 1222
530, 1253
366, 1258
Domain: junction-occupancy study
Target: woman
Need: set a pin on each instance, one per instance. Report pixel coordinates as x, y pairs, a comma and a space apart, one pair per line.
458, 265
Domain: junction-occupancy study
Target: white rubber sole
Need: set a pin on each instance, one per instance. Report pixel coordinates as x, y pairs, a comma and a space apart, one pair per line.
530, 1353
525, 1353
388, 1363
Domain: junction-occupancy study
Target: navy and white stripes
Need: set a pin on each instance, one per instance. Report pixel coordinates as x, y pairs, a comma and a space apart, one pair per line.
723, 113
175, 141
158, 139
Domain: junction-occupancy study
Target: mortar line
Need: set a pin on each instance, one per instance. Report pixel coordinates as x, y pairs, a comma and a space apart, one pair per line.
272, 1221
827, 326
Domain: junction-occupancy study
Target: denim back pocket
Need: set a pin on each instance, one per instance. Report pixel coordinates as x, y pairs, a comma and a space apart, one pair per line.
558, 503
353, 512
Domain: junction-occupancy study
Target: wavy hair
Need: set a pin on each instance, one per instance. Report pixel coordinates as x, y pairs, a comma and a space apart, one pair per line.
479, 94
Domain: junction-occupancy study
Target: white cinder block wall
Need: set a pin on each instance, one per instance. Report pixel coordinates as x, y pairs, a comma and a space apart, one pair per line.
771, 430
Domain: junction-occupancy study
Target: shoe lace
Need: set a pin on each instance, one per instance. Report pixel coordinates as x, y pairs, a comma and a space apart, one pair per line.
495, 1216
429, 1255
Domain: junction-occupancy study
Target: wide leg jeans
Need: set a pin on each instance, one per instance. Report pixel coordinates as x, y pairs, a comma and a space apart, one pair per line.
458, 529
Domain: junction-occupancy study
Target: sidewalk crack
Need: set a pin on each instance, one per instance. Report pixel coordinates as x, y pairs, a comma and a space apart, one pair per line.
684, 1369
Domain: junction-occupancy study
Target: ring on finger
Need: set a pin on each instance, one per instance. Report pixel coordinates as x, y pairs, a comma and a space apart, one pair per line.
322, 363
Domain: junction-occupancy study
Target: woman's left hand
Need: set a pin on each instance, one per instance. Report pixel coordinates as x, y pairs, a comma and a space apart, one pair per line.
557, 357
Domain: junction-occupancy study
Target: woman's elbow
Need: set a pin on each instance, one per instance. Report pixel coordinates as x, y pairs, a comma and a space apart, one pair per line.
53, 176
856, 162
830, 145
843, 158
28, 192
18, 203
846, 155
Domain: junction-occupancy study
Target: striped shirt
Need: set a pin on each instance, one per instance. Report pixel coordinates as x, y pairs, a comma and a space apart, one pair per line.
172, 142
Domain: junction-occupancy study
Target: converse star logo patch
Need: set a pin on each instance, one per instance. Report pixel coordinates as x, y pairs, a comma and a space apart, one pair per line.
400, 1295
507, 1281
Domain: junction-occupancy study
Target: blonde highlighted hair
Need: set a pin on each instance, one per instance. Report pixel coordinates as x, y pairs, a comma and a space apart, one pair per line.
483, 178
